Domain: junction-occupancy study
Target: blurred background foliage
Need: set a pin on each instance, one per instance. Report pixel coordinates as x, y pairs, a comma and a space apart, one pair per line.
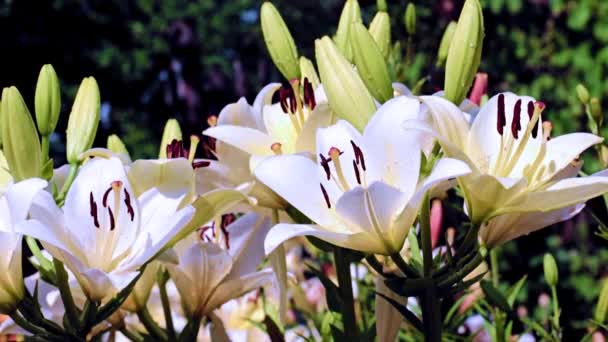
157, 59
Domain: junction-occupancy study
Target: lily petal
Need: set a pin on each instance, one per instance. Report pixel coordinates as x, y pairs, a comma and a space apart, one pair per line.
247, 139
562, 150
235, 288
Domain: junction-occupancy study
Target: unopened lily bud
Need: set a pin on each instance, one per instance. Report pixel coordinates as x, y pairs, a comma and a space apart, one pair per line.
171, 132
116, 145
371, 64
550, 269
409, 19
47, 100
601, 311
351, 13
279, 42
583, 93
465, 52
347, 95
381, 4
19, 136
84, 119
595, 108
380, 29
446, 40
309, 72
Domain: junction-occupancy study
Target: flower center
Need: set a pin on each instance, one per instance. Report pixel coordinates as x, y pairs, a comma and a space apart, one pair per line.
217, 232
176, 150
333, 157
293, 104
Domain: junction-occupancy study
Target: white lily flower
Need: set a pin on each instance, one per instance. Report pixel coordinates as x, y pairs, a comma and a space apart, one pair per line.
211, 273
283, 128
5, 176
103, 233
14, 206
365, 191
516, 167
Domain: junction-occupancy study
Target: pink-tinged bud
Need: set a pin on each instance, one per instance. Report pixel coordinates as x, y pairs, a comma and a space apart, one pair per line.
436, 221
480, 88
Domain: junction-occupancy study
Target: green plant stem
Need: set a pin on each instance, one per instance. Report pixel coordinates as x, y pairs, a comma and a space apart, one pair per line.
132, 335
404, 267
44, 148
146, 319
45, 264
346, 292
431, 315
494, 266
25, 324
555, 303
425, 232
164, 297
68, 183
66, 295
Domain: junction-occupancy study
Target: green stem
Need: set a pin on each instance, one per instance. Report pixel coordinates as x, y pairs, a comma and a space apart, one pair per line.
44, 148
431, 315
164, 297
555, 303
146, 319
132, 335
494, 266
346, 292
68, 183
45, 264
25, 324
408, 270
425, 231
66, 295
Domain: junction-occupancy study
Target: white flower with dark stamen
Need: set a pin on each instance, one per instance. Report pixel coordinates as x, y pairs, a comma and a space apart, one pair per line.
517, 169
103, 233
365, 190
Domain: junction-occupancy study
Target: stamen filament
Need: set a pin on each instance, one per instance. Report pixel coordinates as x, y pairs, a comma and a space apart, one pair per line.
532, 124
194, 140
334, 154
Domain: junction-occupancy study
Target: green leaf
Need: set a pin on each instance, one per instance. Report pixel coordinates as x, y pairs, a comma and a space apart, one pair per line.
513, 291
579, 16
494, 296
408, 287
404, 311
332, 292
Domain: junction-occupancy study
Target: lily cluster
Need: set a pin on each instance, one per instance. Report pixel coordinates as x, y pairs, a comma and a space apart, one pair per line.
342, 159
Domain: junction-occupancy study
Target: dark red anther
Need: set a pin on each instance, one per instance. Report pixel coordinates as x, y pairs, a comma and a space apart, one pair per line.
283, 100
357, 172
358, 155
326, 196
201, 163
516, 123
501, 120
128, 204
226, 236
530, 109
112, 222
287, 98
309, 94
325, 164
104, 200
93, 210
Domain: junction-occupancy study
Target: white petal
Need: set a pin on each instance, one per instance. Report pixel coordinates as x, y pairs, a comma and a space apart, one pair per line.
507, 227
447, 119
388, 318
296, 179
246, 139
280, 127
320, 117
562, 150
247, 236
340, 136
283, 232
485, 194
19, 197
172, 177
444, 170
396, 152
235, 288
238, 114
263, 98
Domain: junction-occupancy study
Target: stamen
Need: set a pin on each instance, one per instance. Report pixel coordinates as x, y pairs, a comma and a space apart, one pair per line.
358, 155
276, 148
116, 187
530, 109
538, 106
93, 210
547, 127
212, 121
326, 196
201, 163
112, 222
224, 230
104, 200
501, 120
309, 94
128, 204
516, 123
325, 164
194, 140
357, 172
334, 154
283, 100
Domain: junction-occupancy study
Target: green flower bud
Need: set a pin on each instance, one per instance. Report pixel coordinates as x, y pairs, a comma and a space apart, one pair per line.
409, 19
602, 303
371, 64
279, 42
380, 29
381, 4
351, 13
20, 138
446, 39
550, 268
595, 108
308, 71
465, 52
171, 132
347, 95
116, 145
84, 119
583, 93
47, 100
